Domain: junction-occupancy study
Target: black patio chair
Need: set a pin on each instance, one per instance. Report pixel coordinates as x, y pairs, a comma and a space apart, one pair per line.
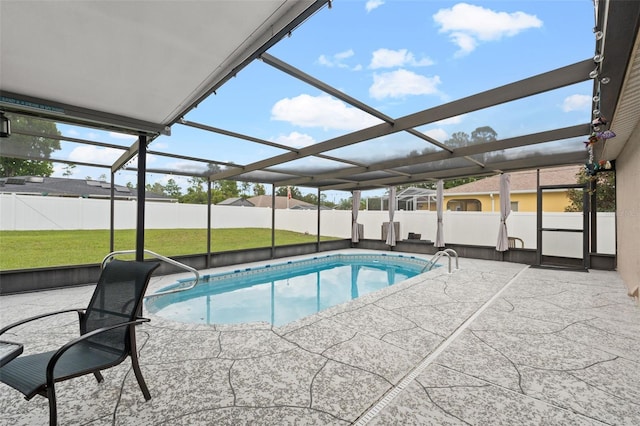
107, 337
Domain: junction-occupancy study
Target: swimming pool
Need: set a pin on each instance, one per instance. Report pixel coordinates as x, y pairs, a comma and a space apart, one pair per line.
284, 292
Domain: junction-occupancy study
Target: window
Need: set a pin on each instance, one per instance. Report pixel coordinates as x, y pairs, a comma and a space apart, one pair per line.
464, 205
514, 206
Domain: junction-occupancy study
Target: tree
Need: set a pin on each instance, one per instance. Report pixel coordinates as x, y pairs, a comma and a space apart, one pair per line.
484, 134
347, 203
156, 188
34, 146
452, 183
195, 192
458, 139
68, 170
244, 189
374, 203
258, 189
172, 189
344, 204
223, 189
605, 192
295, 192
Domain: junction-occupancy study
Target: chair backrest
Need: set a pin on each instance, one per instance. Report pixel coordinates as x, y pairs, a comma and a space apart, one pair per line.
512, 242
116, 299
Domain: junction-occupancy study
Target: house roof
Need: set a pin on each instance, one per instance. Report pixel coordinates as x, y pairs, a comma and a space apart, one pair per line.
525, 181
235, 201
281, 202
64, 187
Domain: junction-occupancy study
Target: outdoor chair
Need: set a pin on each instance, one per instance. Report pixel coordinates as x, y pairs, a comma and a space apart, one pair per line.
107, 337
512, 242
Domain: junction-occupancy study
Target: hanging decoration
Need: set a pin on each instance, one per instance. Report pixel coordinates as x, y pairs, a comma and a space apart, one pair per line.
599, 132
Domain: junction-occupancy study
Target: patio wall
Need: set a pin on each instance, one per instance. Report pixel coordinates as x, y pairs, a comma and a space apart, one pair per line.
22, 212
628, 202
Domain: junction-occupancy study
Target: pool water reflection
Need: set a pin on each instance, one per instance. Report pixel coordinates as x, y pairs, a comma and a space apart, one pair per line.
279, 294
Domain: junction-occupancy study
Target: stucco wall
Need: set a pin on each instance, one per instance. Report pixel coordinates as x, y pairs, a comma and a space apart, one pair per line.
552, 201
628, 212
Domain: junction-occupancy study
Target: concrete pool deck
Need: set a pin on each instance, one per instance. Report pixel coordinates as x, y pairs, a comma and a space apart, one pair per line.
492, 343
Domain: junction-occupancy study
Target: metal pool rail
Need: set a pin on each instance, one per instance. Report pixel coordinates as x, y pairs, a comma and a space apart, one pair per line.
164, 259
438, 255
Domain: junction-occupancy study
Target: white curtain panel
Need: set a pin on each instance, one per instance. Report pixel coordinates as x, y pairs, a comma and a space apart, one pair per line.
505, 210
391, 232
439, 202
355, 206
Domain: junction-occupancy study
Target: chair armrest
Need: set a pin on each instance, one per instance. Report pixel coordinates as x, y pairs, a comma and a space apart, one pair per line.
67, 346
24, 321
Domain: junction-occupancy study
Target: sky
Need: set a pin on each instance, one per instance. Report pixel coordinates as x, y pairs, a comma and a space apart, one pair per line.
399, 57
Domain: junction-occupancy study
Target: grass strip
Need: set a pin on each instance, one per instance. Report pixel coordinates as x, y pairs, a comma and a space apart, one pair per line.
36, 249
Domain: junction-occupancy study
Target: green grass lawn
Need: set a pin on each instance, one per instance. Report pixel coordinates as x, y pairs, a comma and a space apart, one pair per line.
35, 249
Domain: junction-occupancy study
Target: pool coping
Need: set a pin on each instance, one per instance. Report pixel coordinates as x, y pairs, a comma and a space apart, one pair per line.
161, 282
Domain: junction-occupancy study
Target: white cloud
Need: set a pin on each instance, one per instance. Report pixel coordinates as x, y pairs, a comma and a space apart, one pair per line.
400, 83
344, 55
373, 4
124, 136
337, 60
438, 134
321, 111
295, 140
59, 169
186, 166
576, 103
451, 120
95, 154
465, 42
323, 60
467, 25
160, 145
181, 181
386, 58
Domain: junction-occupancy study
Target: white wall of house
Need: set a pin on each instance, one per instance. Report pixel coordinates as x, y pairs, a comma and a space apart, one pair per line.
628, 205
23, 212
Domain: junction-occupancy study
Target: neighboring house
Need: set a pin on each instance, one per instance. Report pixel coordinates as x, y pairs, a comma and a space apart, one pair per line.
282, 202
484, 194
76, 188
236, 201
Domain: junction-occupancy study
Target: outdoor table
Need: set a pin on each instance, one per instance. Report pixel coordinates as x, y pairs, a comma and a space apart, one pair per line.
8, 351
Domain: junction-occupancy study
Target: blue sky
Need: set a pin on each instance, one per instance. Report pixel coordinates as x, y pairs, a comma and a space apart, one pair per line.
397, 56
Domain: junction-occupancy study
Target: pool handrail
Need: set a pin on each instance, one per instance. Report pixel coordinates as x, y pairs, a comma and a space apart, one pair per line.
438, 255
164, 259
452, 251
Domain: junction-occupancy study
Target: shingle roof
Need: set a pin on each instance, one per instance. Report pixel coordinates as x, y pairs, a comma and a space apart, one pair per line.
281, 202
235, 201
525, 181
65, 187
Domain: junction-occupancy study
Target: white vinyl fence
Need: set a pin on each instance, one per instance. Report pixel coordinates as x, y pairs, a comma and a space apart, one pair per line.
24, 212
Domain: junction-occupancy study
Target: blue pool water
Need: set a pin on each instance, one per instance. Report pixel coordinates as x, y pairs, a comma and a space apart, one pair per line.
282, 293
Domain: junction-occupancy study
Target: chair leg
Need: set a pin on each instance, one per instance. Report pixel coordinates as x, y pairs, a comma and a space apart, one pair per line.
136, 366
53, 412
99, 377
138, 373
